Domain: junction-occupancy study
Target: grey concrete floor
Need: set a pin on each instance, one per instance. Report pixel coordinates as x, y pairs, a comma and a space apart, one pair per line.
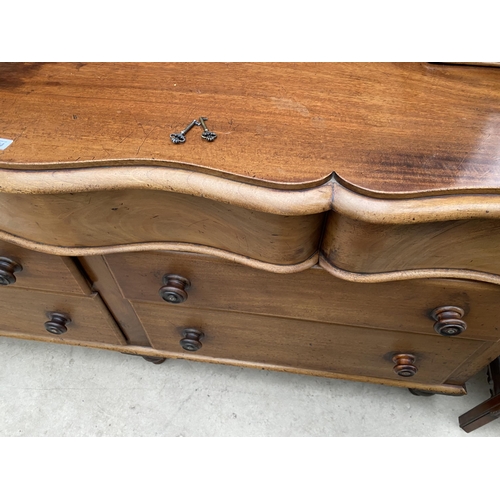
57, 390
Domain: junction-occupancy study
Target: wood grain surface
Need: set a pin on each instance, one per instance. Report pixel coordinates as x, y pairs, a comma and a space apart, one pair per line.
391, 171
275, 198
303, 344
100, 219
361, 247
102, 279
447, 388
312, 295
412, 274
390, 127
44, 272
25, 312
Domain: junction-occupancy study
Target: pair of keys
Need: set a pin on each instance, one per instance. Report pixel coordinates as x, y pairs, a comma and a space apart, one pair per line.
207, 134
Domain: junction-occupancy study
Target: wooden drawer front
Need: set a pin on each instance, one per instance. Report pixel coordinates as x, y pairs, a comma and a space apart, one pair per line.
305, 345
43, 272
314, 294
26, 312
107, 218
364, 247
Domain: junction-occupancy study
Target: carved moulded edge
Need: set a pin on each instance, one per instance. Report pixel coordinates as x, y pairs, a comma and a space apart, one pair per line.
410, 274
333, 194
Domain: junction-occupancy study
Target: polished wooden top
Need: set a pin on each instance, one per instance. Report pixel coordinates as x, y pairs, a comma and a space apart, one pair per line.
383, 127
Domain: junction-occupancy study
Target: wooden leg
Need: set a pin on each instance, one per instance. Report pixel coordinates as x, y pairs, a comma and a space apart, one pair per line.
157, 360
418, 392
154, 359
489, 410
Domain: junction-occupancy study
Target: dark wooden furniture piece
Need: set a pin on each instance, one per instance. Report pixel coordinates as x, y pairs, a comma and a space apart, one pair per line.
489, 410
344, 223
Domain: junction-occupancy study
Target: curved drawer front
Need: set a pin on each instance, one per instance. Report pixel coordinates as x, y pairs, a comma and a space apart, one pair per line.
23, 268
67, 317
301, 344
313, 295
363, 247
108, 218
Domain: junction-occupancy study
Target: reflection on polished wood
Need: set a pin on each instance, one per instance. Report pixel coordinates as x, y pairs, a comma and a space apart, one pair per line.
383, 127
345, 223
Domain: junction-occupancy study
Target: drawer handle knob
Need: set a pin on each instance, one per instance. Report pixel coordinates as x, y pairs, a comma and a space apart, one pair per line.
7, 269
57, 323
404, 366
175, 288
191, 339
448, 320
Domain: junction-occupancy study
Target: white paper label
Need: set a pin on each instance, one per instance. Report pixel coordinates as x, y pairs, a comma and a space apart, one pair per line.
5, 143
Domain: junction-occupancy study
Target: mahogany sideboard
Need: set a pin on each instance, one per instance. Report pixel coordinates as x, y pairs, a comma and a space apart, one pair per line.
343, 220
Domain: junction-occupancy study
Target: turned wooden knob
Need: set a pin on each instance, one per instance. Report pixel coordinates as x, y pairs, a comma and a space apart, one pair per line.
404, 366
448, 322
175, 288
7, 269
191, 339
57, 323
